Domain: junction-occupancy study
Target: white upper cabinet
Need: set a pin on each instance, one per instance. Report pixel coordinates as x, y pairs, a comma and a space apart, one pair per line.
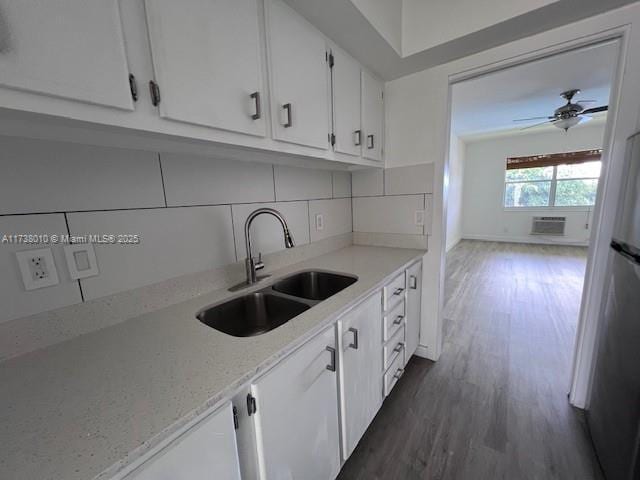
72, 49
297, 414
372, 117
346, 104
207, 62
299, 78
207, 451
414, 300
361, 370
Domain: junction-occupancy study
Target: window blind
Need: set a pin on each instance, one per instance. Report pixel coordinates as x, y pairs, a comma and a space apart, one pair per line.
553, 159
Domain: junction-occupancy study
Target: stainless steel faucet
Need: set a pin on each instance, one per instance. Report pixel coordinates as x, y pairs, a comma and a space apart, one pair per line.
253, 265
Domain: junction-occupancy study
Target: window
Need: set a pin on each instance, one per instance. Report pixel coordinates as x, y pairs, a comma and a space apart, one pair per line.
557, 180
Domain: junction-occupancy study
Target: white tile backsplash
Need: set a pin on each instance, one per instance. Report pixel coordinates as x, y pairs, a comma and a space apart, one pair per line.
173, 241
341, 184
16, 301
120, 191
266, 231
195, 180
367, 182
394, 214
43, 176
296, 183
336, 217
409, 180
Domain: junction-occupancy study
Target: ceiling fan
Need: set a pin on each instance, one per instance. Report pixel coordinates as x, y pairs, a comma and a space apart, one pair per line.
568, 115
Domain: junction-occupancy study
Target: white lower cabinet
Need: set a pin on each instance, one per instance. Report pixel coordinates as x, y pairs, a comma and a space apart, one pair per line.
297, 414
360, 344
293, 422
205, 452
414, 299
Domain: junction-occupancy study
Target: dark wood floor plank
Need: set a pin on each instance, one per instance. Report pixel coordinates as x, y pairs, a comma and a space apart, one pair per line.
495, 405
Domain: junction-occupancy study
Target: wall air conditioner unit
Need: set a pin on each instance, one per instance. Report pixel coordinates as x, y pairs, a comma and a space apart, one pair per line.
548, 225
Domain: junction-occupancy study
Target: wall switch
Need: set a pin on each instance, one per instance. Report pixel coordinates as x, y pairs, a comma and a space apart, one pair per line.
81, 260
419, 218
37, 268
319, 221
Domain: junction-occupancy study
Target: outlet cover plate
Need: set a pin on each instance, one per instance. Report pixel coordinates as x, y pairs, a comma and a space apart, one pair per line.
81, 260
42, 260
319, 222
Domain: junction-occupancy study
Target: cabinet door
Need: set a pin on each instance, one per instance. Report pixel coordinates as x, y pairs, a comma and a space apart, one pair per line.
299, 74
372, 117
346, 104
360, 370
414, 299
297, 414
207, 451
65, 48
207, 62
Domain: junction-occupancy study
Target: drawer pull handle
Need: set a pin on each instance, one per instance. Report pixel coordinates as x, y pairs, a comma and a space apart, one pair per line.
399, 347
287, 109
354, 345
398, 320
332, 366
399, 373
398, 291
256, 98
413, 282
370, 144
357, 138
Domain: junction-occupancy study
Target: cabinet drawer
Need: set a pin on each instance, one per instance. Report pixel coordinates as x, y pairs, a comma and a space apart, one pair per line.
394, 347
393, 292
393, 321
393, 373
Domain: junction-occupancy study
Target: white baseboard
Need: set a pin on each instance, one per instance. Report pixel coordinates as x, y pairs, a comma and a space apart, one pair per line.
535, 239
422, 352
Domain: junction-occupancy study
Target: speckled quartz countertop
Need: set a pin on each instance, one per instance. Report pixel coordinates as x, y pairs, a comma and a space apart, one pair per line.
87, 407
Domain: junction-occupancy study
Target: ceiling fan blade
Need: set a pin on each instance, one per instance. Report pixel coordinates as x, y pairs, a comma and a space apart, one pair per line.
532, 118
538, 124
604, 108
586, 101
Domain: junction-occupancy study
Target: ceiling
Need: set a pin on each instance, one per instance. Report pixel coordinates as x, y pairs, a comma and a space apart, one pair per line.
369, 29
490, 103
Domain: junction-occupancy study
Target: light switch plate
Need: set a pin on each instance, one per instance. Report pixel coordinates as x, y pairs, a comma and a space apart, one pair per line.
419, 218
81, 260
37, 268
319, 221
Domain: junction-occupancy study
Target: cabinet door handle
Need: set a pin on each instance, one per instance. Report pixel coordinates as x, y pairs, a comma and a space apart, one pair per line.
354, 345
399, 373
413, 282
258, 111
370, 143
398, 291
332, 366
357, 138
287, 109
398, 320
399, 347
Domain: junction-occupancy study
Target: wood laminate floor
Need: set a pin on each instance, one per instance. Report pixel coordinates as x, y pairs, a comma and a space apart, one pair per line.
495, 405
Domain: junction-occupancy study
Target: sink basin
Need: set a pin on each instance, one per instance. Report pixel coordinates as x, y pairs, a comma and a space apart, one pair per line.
314, 285
251, 314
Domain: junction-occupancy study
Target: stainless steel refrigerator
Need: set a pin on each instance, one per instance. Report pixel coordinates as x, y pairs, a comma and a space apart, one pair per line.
614, 409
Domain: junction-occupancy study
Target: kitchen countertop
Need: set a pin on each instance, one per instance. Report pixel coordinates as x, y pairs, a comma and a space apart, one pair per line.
89, 406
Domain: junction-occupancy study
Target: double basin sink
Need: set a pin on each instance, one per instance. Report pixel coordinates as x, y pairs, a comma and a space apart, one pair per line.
259, 312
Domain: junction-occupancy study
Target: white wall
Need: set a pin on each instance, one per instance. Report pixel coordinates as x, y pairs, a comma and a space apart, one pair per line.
484, 216
188, 210
417, 126
386, 18
455, 191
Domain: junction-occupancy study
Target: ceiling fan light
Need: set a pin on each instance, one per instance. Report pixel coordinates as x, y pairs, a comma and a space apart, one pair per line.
566, 123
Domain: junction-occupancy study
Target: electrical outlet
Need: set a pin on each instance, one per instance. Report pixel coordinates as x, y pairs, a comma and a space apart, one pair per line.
37, 268
319, 221
419, 218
